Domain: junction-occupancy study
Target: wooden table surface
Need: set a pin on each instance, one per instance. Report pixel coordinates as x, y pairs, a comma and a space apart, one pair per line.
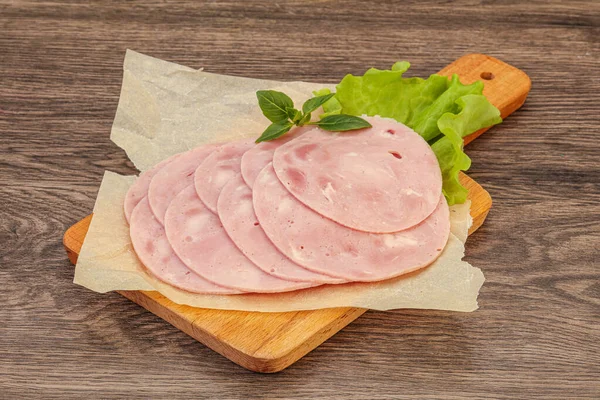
537, 333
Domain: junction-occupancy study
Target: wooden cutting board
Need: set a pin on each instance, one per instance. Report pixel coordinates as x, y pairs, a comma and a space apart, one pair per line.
270, 342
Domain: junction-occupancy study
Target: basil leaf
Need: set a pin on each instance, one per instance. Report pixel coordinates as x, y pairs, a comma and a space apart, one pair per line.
274, 104
311, 105
294, 114
342, 122
331, 106
304, 120
275, 130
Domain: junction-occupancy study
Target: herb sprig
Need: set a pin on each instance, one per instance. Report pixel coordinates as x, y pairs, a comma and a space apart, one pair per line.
279, 109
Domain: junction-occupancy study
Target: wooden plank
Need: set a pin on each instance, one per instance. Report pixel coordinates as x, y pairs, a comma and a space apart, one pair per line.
270, 342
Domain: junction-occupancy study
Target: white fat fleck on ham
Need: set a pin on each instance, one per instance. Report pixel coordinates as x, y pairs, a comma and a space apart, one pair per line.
328, 191
410, 192
397, 241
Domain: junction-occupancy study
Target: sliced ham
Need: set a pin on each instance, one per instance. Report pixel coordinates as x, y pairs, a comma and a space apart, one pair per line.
217, 169
139, 189
255, 159
174, 177
155, 252
198, 238
323, 246
382, 179
237, 216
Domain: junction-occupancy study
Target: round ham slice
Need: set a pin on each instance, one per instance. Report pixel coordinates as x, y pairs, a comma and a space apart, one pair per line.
218, 168
175, 177
237, 216
139, 189
323, 246
382, 179
198, 238
255, 159
155, 252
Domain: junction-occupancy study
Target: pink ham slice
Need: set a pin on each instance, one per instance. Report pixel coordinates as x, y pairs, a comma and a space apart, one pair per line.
218, 168
382, 179
139, 189
198, 238
323, 246
155, 252
174, 177
255, 159
237, 216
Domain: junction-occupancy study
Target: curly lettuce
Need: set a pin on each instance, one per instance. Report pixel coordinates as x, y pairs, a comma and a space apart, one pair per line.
441, 110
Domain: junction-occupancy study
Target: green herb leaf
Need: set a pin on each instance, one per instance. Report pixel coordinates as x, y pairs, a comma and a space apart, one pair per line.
274, 104
331, 106
275, 130
305, 119
294, 115
342, 122
311, 105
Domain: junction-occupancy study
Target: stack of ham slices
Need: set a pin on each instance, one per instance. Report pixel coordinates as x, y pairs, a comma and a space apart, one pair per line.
307, 209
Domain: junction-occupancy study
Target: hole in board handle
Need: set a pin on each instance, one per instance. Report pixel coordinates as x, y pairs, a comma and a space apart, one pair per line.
488, 76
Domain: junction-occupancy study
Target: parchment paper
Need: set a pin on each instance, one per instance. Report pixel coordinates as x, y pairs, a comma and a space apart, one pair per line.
166, 108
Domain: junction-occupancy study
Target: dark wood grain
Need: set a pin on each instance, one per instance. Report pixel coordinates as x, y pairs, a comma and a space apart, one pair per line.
537, 334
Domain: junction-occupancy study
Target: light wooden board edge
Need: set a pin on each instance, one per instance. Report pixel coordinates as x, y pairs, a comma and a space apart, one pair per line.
290, 336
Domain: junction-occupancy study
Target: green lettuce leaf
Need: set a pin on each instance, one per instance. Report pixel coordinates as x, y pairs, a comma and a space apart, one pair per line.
476, 112
441, 110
